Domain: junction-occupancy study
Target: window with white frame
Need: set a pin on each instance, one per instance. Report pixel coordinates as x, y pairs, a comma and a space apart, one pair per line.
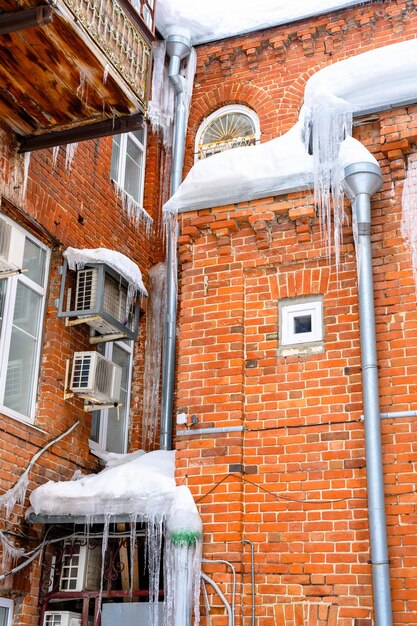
109, 427
230, 127
22, 304
128, 163
6, 612
301, 321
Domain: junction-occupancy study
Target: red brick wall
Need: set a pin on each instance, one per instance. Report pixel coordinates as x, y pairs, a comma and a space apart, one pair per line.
294, 482
77, 207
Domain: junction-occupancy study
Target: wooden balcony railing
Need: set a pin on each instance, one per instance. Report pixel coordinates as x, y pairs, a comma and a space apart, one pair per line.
118, 28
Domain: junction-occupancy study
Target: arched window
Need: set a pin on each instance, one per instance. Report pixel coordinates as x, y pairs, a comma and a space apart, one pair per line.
229, 127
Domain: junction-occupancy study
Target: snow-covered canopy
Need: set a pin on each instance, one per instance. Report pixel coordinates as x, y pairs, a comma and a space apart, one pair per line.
374, 79
143, 486
209, 20
77, 258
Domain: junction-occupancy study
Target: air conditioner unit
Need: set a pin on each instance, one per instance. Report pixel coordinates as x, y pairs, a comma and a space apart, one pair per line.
102, 300
12, 245
81, 567
95, 378
63, 618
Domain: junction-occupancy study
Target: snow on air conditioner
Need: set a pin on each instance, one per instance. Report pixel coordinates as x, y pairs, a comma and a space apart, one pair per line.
95, 378
101, 295
63, 618
12, 245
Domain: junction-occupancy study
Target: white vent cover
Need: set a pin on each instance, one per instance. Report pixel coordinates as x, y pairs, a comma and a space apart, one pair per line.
12, 245
95, 378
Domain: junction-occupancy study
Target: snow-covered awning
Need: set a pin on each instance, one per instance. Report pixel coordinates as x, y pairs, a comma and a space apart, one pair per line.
77, 258
376, 79
138, 487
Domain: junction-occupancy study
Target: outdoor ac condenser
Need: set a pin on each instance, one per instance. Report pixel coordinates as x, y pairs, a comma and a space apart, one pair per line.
62, 618
114, 301
12, 245
95, 378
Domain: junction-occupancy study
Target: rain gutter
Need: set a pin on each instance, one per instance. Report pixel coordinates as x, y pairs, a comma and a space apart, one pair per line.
178, 48
361, 181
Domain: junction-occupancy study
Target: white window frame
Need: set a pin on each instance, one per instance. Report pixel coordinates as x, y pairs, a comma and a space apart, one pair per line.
128, 347
289, 310
120, 167
7, 603
230, 108
7, 327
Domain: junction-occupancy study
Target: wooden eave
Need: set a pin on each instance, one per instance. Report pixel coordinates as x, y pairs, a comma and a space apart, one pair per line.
56, 77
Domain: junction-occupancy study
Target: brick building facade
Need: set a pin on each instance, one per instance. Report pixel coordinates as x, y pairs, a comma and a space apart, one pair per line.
291, 478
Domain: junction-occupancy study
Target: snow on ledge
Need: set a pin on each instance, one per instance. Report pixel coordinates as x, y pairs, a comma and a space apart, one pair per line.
142, 486
77, 258
210, 20
375, 79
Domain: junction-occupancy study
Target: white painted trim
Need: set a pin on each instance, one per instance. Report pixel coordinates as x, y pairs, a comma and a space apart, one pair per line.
7, 603
288, 313
6, 333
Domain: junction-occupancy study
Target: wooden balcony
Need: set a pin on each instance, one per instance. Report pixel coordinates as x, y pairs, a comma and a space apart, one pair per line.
73, 69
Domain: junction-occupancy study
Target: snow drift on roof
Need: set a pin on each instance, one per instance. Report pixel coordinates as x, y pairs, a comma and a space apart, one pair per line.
205, 20
77, 258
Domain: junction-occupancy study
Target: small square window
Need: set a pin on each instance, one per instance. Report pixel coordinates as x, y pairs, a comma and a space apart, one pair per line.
301, 322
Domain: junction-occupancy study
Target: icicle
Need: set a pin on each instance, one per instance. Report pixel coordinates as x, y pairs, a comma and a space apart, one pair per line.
153, 352
104, 543
26, 174
154, 547
70, 150
133, 521
326, 126
16, 494
183, 547
409, 211
161, 106
106, 73
136, 214
55, 152
10, 552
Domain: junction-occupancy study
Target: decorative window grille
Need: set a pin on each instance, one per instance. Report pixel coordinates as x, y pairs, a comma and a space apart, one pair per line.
228, 128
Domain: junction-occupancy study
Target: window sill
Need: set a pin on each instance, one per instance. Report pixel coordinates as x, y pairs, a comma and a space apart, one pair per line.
18, 417
301, 349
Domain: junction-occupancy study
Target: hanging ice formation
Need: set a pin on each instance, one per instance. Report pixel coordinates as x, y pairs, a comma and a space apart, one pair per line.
70, 150
326, 126
136, 214
161, 105
143, 488
153, 352
409, 211
55, 152
26, 174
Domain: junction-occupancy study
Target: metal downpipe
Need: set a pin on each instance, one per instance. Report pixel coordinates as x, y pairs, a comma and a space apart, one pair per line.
178, 48
361, 181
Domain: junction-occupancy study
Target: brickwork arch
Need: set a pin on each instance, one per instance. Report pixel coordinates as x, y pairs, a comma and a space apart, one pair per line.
246, 94
288, 107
